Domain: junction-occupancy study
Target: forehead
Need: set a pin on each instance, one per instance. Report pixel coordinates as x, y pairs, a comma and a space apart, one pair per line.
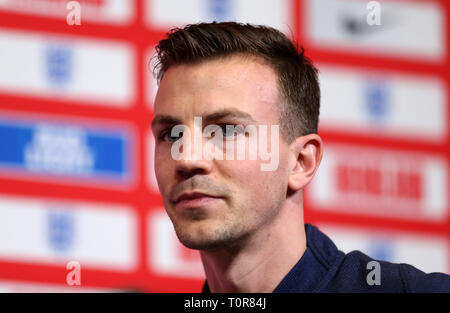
244, 83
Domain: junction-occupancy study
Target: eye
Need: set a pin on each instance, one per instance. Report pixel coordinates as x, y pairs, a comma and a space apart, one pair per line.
170, 138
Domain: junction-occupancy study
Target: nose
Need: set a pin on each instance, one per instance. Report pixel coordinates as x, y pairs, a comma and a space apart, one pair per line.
192, 161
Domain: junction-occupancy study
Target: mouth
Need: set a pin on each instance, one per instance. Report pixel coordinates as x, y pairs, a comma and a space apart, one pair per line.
191, 200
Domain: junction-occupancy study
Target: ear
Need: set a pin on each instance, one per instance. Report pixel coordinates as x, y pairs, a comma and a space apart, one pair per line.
306, 154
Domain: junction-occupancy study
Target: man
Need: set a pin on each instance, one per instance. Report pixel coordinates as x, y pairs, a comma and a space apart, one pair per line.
248, 222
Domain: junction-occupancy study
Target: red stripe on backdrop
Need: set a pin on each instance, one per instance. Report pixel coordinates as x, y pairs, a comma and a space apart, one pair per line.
295, 17
298, 20
378, 141
135, 282
135, 31
48, 106
42, 24
357, 59
57, 275
314, 215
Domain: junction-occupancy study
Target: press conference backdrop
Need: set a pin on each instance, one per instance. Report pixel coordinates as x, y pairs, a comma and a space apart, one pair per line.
76, 149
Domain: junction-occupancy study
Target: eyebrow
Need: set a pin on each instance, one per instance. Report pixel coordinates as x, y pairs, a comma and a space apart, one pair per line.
214, 116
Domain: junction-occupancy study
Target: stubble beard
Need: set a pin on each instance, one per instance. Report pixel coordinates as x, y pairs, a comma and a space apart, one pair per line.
210, 235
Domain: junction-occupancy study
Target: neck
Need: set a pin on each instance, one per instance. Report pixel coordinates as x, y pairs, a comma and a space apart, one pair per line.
259, 262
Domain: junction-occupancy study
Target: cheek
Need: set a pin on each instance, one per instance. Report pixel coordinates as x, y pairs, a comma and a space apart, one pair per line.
242, 171
254, 184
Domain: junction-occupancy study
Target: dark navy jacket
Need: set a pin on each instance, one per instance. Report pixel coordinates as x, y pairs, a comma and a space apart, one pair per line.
323, 268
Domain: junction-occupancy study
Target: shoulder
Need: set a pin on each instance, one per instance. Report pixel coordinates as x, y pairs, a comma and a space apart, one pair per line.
358, 272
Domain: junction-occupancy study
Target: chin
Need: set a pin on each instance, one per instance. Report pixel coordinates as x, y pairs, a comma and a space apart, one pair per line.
201, 237
199, 243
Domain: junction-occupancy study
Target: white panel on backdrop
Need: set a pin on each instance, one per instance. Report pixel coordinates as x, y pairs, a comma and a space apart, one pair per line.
67, 68
425, 252
167, 256
383, 103
55, 232
104, 11
381, 182
406, 28
168, 13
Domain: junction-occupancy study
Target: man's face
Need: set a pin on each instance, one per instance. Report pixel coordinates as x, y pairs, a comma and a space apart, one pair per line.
246, 198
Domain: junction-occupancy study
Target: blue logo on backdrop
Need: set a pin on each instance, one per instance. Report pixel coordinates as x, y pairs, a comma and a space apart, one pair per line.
60, 230
381, 250
376, 99
59, 150
59, 64
219, 10
65, 151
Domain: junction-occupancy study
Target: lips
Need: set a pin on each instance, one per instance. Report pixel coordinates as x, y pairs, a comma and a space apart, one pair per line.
192, 196
194, 200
